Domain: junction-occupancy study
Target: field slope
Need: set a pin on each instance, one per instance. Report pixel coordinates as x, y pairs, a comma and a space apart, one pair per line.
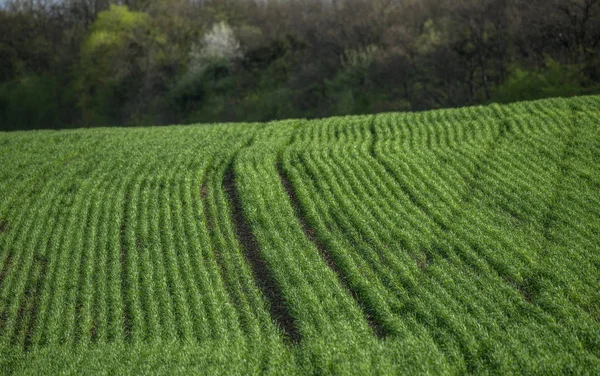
445, 242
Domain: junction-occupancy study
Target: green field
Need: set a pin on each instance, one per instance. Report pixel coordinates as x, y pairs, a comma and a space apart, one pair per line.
445, 242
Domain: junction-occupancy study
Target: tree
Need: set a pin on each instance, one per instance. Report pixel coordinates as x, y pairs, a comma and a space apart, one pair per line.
115, 61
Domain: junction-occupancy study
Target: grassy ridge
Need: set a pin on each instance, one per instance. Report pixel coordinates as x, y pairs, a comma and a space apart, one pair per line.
454, 241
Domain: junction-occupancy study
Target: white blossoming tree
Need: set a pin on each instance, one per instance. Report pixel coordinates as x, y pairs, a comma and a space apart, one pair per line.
219, 45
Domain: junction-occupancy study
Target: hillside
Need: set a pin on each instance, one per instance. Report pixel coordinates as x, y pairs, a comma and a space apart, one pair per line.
445, 242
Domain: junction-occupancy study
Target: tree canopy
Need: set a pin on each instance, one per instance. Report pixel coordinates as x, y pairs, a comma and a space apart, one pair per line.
83, 63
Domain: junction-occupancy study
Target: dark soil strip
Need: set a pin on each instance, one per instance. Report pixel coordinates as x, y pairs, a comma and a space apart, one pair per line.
203, 191
524, 288
214, 232
251, 249
376, 327
127, 322
6, 267
3, 225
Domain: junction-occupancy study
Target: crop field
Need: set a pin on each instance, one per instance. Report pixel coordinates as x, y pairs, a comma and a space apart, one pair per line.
445, 242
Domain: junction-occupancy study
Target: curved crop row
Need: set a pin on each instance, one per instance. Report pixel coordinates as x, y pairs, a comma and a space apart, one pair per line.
452, 241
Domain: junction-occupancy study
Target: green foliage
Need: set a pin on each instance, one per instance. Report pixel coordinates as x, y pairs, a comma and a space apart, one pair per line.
430, 38
114, 57
444, 242
200, 96
33, 102
113, 32
352, 89
98, 63
219, 91
554, 80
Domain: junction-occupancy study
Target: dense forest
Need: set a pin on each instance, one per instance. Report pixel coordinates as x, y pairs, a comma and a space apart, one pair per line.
85, 63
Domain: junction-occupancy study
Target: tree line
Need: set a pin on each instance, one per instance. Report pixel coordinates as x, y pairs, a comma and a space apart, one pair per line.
84, 63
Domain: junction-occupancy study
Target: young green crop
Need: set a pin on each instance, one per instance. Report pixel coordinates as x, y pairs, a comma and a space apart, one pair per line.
446, 242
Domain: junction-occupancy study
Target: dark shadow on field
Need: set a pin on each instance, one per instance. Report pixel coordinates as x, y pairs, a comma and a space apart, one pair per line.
3, 225
260, 270
309, 232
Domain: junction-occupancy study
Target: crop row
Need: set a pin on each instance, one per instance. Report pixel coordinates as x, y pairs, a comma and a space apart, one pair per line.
458, 240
